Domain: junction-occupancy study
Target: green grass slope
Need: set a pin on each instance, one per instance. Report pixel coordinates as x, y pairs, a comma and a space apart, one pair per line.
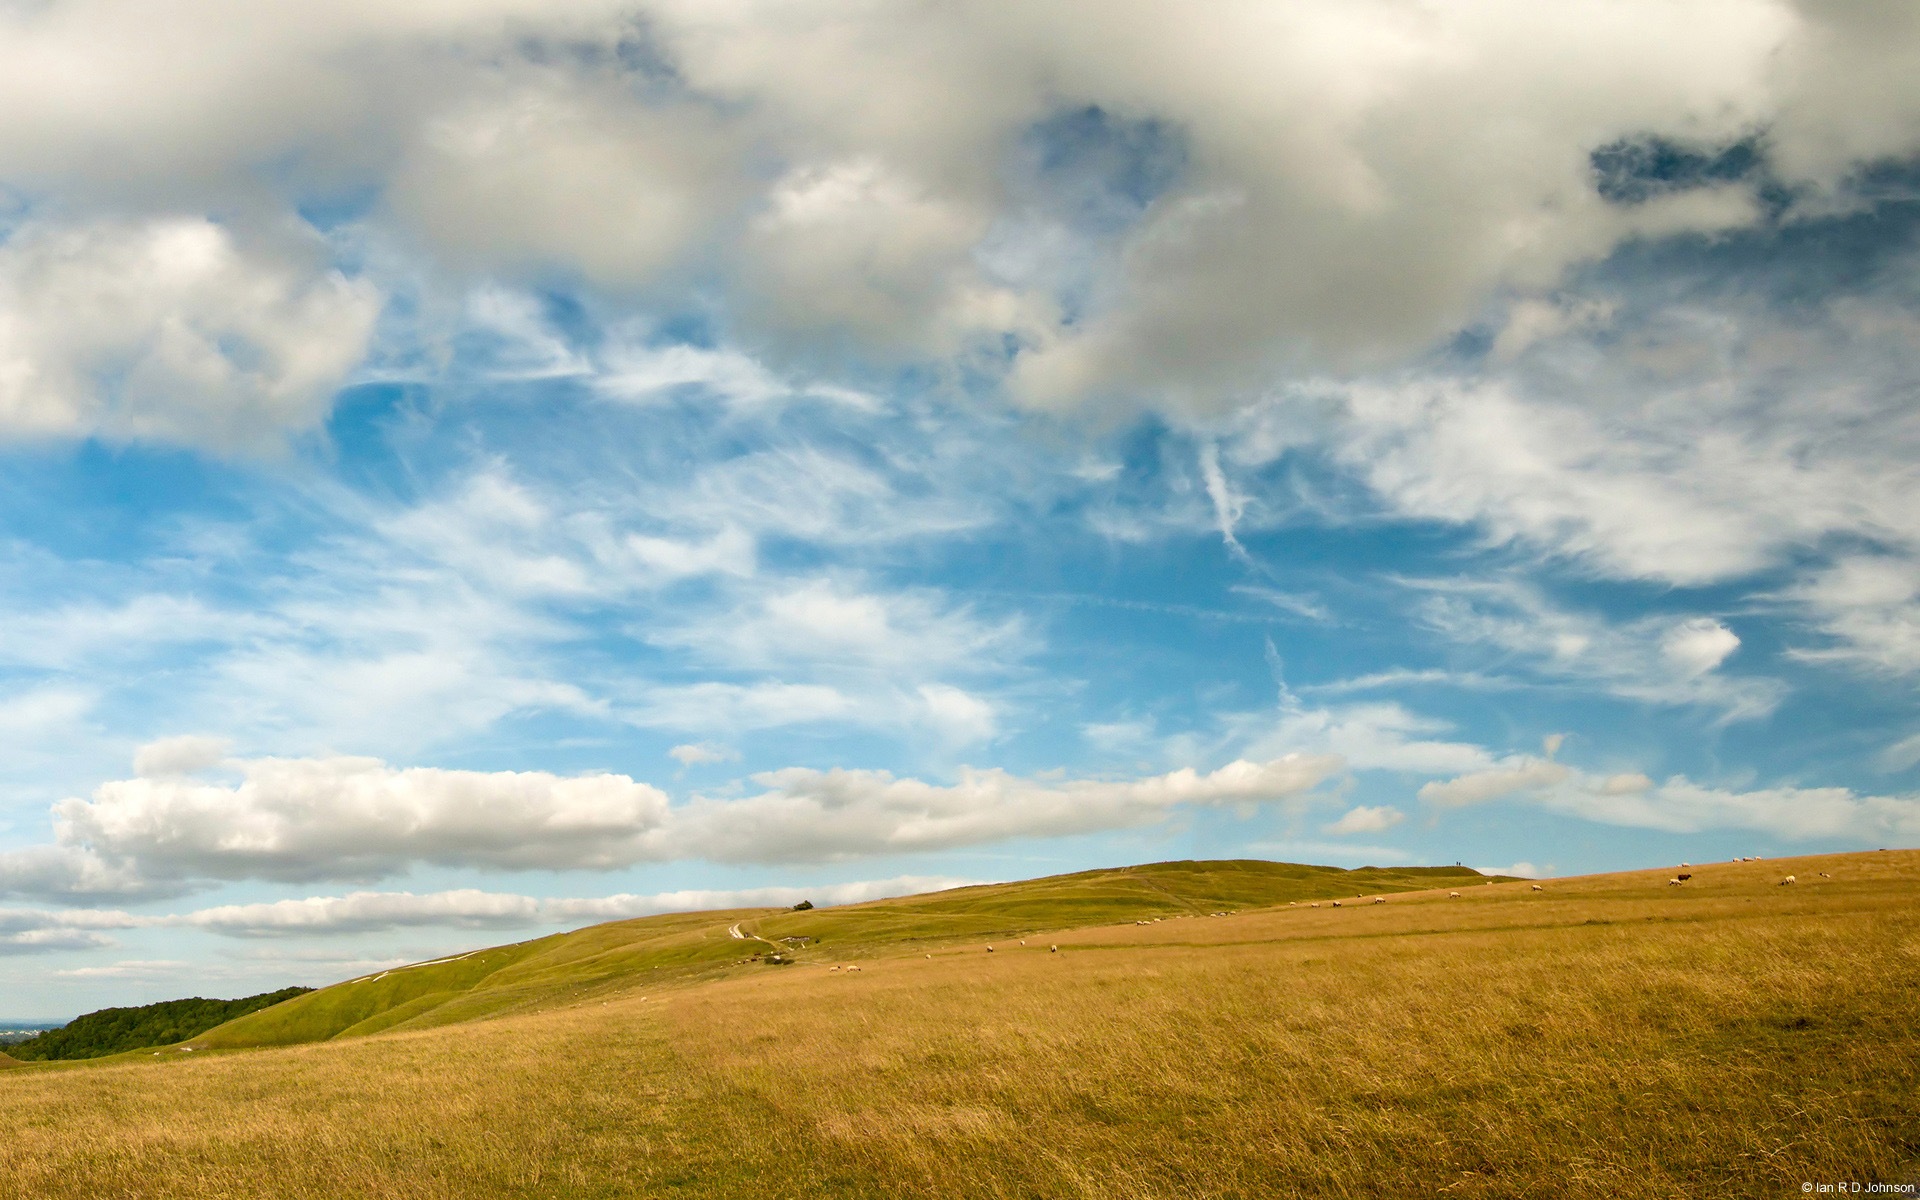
688, 947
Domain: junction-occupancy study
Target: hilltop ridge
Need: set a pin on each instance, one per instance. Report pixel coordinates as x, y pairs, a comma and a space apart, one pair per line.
687, 947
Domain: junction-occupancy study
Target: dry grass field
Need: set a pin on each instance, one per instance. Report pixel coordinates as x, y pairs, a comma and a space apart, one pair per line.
1611, 1036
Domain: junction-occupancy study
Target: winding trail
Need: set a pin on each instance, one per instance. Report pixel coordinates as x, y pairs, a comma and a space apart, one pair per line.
734, 931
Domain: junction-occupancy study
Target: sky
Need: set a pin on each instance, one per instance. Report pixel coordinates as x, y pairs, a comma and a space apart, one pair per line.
475, 468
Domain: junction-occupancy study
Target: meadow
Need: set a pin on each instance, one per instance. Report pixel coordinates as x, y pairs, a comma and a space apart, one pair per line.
1608, 1036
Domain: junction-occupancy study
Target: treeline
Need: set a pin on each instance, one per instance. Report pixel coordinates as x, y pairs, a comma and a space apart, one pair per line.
115, 1030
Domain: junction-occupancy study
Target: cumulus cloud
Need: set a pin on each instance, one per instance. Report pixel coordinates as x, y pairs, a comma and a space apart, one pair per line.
181, 755
1264, 192
1365, 819
1516, 775
567, 172
358, 818
76, 874
170, 330
31, 931
44, 941
807, 815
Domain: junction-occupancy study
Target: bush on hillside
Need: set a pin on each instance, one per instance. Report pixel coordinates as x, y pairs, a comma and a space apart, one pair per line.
116, 1030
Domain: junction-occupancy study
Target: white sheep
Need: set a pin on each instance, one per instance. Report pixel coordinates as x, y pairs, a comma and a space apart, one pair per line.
1538, 888
989, 949
1673, 883
1336, 904
1786, 881
1053, 949
1379, 899
1453, 895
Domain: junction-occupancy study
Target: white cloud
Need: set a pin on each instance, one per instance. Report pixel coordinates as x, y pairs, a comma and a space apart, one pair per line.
357, 817
1680, 805
565, 171
808, 815
1513, 775
1901, 754
75, 874
33, 931
171, 330
1523, 869
43, 941
833, 624
181, 755
1662, 660
1869, 606
1365, 819
1699, 645
1309, 219
362, 912
694, 754
137, 968
1371, 737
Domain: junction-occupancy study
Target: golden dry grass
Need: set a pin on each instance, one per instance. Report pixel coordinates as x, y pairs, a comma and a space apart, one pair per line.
1611, 1037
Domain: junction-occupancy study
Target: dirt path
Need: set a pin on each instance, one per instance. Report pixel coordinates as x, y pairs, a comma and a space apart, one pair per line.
734, 931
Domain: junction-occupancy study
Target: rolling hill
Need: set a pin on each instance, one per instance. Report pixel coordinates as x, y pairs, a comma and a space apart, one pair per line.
1612, 1036
691, 946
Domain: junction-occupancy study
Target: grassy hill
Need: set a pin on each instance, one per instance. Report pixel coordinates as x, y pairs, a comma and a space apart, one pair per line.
1609, 1036
691, 946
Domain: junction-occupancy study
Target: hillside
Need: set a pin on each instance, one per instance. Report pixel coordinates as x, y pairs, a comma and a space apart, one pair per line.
119, 1030
689, 946
1605, 1037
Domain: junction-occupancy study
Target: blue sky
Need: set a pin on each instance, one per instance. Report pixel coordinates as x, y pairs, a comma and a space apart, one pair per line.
475, 471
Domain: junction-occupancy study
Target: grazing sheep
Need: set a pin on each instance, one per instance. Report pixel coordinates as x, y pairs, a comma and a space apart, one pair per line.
1538, 888
1023, 941
1824, 875
989, 949
1686, 864
1053, 949
853, 968
1674, 882
1786, 881
1336, 904
1379, 899
1453, 895
1313, 906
